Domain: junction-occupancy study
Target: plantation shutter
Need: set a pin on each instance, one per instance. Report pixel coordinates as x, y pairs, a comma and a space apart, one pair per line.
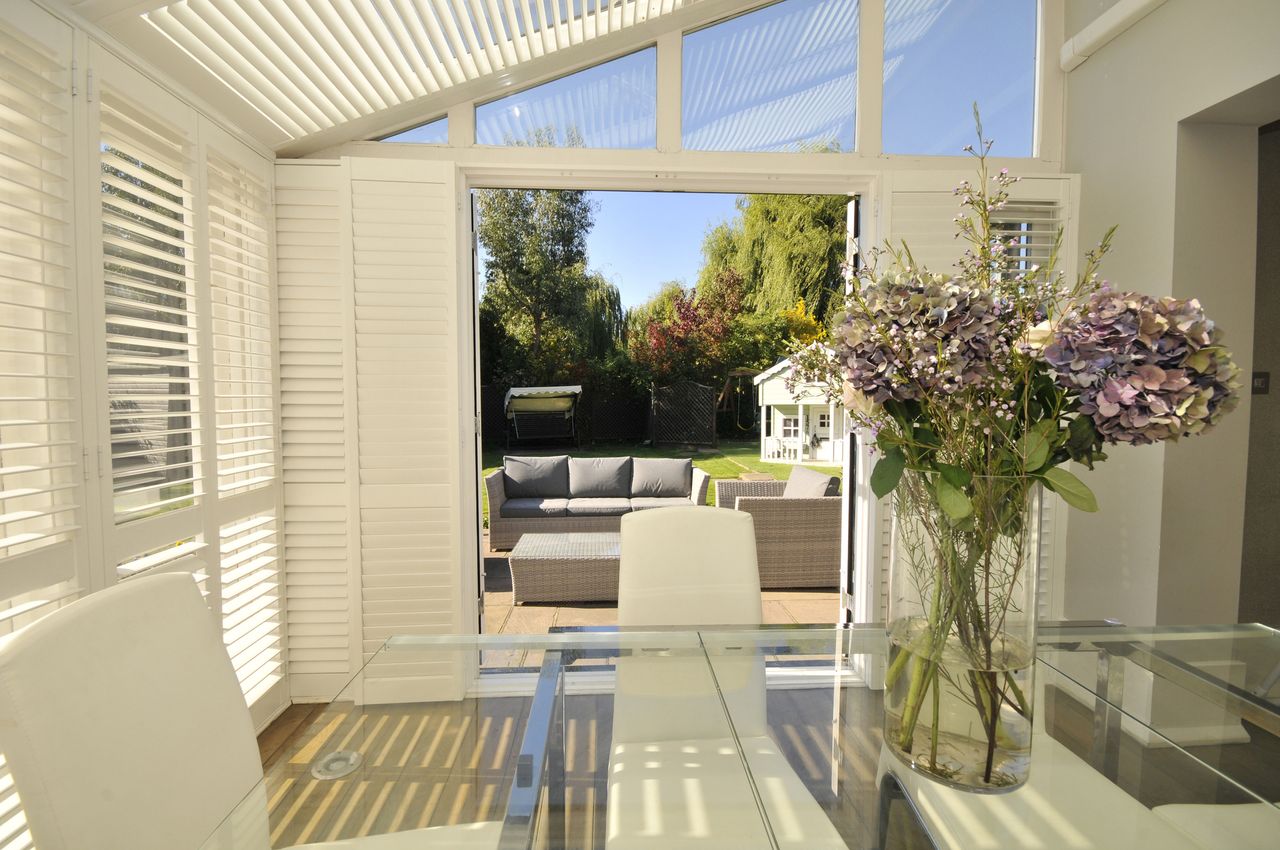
250, 584
148, 251
406, 308
237, 188
320, 548
921, 212
239, 205
40, 477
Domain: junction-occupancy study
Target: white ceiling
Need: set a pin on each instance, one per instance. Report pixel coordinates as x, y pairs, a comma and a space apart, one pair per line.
300, 75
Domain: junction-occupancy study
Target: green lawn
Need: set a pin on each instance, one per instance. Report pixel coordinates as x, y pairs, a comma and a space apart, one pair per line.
730, 460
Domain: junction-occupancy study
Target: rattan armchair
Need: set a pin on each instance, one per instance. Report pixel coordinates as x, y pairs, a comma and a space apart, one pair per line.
797, 540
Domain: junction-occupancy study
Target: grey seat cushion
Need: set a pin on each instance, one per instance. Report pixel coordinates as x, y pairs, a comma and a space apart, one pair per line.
599, 477
641, 503
661, 477
534, 508
536, 477
806, 483
599, 507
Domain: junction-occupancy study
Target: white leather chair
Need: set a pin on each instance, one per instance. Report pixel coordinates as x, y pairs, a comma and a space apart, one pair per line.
675, 776
125, 729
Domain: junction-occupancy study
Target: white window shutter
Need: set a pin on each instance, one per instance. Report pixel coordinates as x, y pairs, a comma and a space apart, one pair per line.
250, 590
922, 211
148, 248
321, 559
40, 480
241, 323
403, 225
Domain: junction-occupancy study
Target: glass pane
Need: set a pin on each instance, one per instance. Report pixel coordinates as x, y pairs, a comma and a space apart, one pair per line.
613, 105
940, 56
780, 79
432, 133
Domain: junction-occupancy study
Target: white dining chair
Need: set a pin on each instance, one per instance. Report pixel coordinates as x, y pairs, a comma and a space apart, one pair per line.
123, 726
675, 772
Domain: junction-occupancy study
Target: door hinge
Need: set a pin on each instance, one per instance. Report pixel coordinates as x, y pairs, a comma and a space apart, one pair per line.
74, 69
477, 423
88, 85
84, 463
102, 463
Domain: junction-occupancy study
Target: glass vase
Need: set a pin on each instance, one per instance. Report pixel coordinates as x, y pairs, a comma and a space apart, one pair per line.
961, 620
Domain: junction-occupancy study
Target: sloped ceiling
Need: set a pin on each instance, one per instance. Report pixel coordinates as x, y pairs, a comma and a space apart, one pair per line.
300, 75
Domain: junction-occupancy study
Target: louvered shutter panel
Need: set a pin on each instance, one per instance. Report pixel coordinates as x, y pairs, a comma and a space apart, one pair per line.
408, 399
319, 507
251, 621
40, 487
922, 213
239, 205
149, 276
242, 326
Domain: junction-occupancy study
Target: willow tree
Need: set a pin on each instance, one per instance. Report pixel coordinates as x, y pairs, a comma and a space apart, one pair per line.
787, 248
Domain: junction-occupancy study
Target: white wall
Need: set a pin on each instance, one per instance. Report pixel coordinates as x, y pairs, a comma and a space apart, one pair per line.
1171, 518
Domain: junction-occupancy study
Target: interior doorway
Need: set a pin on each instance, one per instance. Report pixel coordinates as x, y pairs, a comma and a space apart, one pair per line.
1259, 576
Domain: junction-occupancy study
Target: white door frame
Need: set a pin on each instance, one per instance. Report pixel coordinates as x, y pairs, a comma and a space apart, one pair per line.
492, 175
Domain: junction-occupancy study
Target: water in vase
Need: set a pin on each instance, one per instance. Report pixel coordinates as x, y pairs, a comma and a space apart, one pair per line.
939, 699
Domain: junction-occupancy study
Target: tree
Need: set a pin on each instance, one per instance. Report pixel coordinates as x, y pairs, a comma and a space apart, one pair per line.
537, 286
785, 247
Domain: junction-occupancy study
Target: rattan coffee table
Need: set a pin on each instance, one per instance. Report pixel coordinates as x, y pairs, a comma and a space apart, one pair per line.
565, 567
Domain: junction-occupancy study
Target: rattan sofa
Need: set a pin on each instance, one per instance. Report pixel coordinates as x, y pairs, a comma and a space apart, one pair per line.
797, 540
506, 526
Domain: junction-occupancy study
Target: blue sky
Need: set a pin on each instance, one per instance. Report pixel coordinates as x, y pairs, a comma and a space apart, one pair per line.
781, 78
644, 239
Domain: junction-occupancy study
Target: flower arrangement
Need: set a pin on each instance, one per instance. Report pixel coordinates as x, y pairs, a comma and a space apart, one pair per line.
980, 386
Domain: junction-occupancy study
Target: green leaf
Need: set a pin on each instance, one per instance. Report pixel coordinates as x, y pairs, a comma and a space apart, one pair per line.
888, 472
955, 476
952, 500
1072, 490
1048, 428
1034, 448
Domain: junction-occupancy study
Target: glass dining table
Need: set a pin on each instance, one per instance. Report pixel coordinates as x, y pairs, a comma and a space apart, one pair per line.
770, 737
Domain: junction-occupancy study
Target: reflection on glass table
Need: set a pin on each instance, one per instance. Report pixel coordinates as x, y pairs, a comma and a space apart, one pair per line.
738, 738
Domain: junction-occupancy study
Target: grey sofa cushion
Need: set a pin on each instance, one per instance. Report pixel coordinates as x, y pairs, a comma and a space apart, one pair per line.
599, 507
599, 477
641, 503
536, 477
806, 483
661, 477
533, 508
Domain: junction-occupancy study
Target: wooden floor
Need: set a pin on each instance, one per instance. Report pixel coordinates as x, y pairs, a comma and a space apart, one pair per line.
432, 764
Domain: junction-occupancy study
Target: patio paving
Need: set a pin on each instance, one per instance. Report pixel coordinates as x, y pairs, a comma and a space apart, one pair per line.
501, 616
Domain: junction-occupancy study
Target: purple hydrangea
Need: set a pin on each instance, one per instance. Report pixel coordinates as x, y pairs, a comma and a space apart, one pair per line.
1146, 369
915, 333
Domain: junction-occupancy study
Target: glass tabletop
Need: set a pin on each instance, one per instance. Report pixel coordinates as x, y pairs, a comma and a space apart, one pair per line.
731, 738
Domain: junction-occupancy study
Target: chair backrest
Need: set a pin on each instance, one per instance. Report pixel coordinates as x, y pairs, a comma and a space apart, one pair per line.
693, 566
122, 721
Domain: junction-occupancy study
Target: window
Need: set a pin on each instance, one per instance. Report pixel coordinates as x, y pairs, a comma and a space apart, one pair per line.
613, 105
940, 56
783, 78
790, 427
149, 276
431, 133
824, 421
40, 475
